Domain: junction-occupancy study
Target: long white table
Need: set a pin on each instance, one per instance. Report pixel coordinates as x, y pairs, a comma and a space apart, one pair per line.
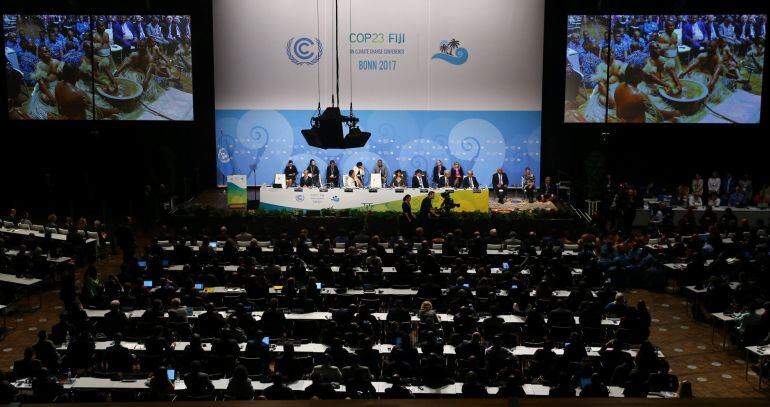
453, 389
26, 282
382, 199
38, 235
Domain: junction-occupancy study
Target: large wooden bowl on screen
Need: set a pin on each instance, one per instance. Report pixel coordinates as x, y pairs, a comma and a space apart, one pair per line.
127, 96
690, 100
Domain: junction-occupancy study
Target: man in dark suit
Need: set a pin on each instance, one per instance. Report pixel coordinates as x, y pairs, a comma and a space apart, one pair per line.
561, 316
197, 382
469, 182
500, 181
438, 172
137, 27
117, 356
446, 180
419, 180
210, 322
333, 175
114, 320
171, 31
27, 367
549, 192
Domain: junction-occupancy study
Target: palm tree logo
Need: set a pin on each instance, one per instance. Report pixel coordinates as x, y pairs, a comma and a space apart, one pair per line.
448, 47
451, 51
453, 44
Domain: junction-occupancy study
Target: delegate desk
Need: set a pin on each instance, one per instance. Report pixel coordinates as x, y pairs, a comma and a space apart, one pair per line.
376, 200
38, 235
26, 282
761, 353
220, 385
327, 316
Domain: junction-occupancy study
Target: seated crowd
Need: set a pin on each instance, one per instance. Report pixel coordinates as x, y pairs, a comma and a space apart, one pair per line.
450, 330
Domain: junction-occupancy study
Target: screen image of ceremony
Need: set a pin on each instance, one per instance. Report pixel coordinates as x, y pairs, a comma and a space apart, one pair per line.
665, 68
426, 93
99, 67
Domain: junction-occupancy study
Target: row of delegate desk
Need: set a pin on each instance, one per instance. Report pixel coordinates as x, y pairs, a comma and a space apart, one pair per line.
220, 385
59, 237
435, 249
327, 316
524, 352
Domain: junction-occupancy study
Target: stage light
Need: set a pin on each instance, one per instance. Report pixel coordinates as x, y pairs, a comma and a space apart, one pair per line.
326, 130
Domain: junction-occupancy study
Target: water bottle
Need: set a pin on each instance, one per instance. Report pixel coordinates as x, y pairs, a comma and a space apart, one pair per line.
69, 376
67, 338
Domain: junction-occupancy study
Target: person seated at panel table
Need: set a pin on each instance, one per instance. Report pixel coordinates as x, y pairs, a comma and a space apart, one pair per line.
549, 191
314, 172
457, 175
446, 180
500, 181
381, 169
352, 181
438, 172
333, 175
307, 180
419, 180
290, 171
470, 181
359, 172
399, 181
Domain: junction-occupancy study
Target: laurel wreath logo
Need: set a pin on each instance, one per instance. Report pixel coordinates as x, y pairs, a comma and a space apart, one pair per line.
296, 61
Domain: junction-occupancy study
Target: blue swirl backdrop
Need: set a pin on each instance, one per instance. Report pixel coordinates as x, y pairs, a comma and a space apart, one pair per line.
258, 143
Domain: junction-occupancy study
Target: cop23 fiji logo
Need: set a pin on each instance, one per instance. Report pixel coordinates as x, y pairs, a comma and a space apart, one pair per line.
451, 51
304, 50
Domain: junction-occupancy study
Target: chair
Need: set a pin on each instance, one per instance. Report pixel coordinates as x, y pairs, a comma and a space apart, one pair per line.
559, 333
8, 225
339, 245
24, 226
51, 230
594, 335
182, 329
243, 244
63, 231
263, 244
494, 247
81, 233
38, 228
164, 243
437, 246
572, 247
360, 246
306, 362
253, 365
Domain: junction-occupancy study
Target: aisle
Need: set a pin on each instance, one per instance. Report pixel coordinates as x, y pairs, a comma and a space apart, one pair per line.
687, 346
